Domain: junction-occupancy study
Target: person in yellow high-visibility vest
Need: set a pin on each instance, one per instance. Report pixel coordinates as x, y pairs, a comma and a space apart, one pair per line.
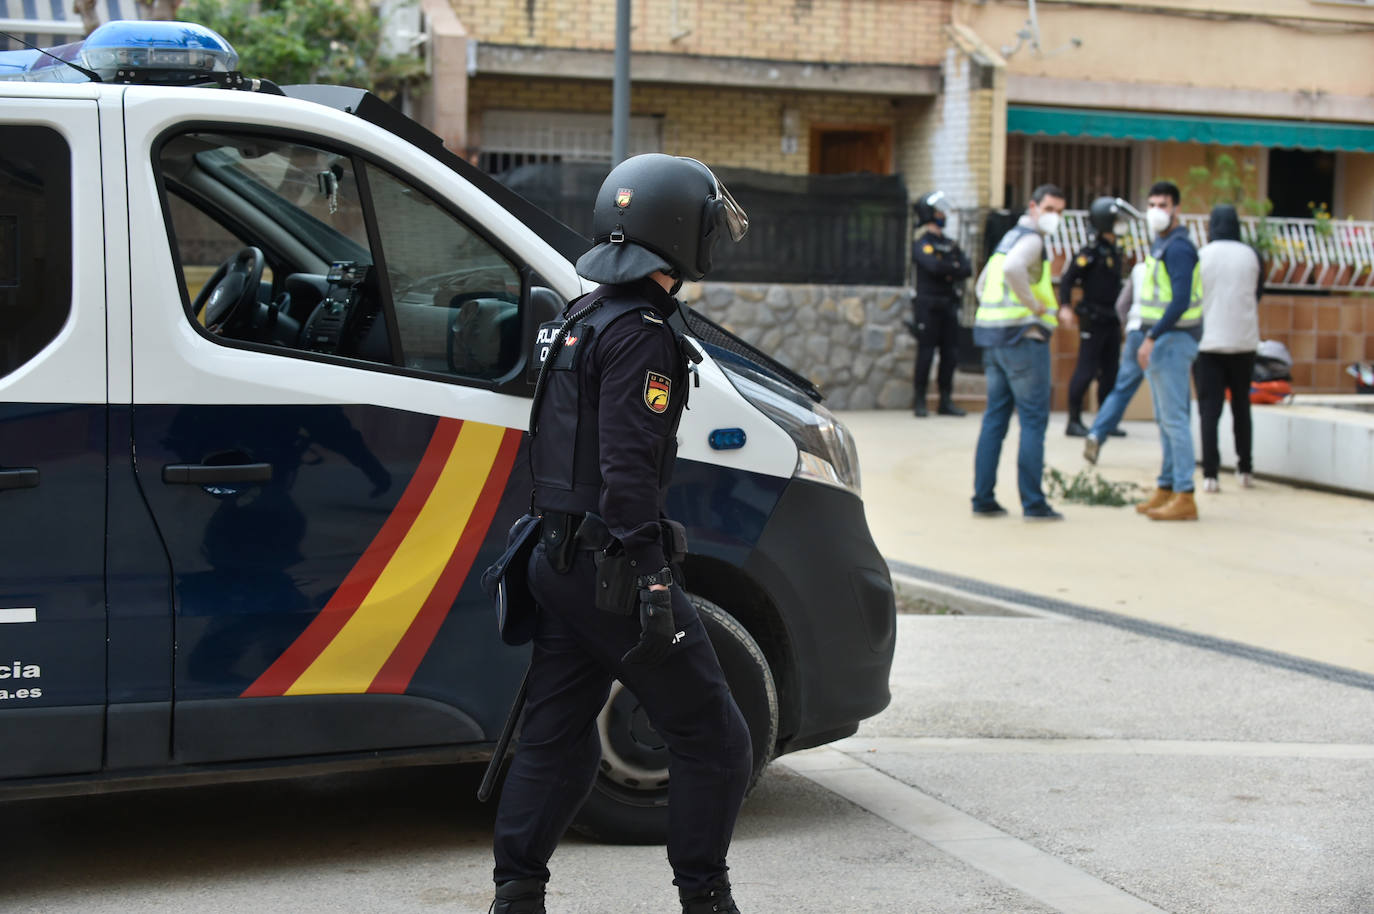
1171, 316
1015, 319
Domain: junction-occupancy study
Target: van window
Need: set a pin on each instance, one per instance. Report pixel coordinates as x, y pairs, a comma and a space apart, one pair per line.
35, 241
204, 244
342, 242
456, 298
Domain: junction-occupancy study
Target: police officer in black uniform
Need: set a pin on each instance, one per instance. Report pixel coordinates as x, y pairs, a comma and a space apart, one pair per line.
603, 441
1097, 265
940, 266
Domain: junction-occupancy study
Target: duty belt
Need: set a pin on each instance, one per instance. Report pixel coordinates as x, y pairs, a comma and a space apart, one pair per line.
564, 534
583, 531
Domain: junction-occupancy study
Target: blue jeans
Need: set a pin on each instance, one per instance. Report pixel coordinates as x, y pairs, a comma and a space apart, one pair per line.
1128, 378
1169, 372
1018, 377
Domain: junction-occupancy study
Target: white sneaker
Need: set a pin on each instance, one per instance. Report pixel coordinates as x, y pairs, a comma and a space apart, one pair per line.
1210, 484
1247, 480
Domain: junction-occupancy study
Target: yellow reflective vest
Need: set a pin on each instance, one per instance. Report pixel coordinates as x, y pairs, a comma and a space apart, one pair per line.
1157, 294
1001, 316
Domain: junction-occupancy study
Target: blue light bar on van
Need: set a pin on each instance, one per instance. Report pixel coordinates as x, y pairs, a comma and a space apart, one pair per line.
119, 51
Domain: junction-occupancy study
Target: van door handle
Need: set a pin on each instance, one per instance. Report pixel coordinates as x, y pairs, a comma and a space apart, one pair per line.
19, 478
200, 474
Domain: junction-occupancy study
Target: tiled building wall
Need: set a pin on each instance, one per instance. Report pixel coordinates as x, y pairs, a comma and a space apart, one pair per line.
730, 127
902, 32
1324, 334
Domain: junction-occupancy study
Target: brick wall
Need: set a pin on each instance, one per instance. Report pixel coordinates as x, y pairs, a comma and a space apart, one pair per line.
1323, 334
950, 142
732, 127
906, 32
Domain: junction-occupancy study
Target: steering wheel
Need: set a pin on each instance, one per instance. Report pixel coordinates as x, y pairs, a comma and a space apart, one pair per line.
230, 291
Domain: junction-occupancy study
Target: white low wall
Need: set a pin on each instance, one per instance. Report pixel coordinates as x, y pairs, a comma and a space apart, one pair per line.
1312, 441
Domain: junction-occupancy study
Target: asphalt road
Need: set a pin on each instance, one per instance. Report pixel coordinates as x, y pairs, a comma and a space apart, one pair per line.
1027, 764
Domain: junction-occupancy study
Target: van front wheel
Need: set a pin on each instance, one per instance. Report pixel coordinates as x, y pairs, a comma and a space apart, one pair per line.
629, 801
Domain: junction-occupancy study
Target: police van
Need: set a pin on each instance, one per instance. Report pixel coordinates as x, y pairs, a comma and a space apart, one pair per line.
264, 378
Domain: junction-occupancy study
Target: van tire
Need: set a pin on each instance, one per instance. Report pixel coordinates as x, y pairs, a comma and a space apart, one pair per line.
629, 803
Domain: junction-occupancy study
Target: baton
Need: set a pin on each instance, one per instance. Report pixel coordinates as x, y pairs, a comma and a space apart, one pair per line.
503, 741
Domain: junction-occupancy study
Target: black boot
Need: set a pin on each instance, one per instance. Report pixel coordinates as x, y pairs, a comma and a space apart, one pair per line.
919, 410
947, 407
1076, 428
714, 900
519, 896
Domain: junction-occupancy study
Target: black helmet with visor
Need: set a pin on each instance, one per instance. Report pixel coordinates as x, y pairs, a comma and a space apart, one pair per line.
659, 212
931, 206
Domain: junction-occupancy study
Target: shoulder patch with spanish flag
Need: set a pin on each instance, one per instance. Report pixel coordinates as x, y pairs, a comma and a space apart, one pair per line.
928, 249
657, 389
1082, 260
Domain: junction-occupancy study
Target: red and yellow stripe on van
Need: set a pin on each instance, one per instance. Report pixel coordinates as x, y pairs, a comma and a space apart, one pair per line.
375, 630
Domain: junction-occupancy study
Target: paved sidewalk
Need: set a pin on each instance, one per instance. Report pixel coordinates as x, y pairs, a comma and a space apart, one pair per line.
1276, 567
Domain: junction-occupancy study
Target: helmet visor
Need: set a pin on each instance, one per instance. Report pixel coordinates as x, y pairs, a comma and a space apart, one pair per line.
732, 215
735, 218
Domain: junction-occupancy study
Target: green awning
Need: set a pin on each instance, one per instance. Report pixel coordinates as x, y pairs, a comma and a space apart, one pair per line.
1182, 128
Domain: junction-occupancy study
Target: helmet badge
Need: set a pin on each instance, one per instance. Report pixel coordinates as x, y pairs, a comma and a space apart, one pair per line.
623, 196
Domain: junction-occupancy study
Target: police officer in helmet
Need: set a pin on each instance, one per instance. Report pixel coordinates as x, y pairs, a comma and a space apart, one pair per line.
1097, 267
940, 266
603, 441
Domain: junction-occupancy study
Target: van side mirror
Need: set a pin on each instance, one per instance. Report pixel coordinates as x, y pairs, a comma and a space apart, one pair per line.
545, 305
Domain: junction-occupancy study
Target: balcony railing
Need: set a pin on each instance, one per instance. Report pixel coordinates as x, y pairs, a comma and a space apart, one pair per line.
1303, 255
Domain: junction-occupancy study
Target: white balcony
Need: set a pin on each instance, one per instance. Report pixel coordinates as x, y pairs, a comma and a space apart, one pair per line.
1305, 255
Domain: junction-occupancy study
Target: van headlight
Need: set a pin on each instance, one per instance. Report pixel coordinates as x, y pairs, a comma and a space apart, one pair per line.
825, 448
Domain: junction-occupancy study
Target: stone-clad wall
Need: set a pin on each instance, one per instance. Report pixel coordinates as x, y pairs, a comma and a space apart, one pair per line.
849, 340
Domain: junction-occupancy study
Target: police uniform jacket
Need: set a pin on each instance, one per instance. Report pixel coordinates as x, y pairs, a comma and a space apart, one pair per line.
607, 425
939, 265
1097, 265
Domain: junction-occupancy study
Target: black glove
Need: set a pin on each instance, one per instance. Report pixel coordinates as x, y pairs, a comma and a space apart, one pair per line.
656, 625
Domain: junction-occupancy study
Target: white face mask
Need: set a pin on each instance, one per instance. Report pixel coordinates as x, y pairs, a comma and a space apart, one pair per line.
1157, 219
1048, 223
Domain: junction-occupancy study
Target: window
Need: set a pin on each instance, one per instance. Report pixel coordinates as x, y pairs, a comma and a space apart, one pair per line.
514, 138
456, 299
1085, 170
35, 241
205, 244
355, 261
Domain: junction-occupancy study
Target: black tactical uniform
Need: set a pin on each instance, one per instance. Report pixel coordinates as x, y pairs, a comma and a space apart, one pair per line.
1097, 266
939, 266
603, 442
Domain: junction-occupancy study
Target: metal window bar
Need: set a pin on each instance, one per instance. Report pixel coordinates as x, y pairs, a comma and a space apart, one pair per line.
1338, 256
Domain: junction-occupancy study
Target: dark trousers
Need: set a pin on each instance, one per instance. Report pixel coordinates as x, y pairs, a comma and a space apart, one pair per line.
1099, 352
577, 651
1215, 373
938, 326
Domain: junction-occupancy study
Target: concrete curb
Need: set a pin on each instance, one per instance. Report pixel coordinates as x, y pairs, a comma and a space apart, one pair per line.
982, 598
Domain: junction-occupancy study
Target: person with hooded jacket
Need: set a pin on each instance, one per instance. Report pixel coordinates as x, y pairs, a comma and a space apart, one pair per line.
1232, 283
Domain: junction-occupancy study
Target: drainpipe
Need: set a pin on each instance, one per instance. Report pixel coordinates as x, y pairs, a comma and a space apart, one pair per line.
620, 91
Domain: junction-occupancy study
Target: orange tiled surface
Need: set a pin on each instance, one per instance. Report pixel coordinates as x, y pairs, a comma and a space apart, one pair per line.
1323, 334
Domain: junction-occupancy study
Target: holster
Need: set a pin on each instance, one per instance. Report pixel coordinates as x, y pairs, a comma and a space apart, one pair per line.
616, 590
557, 537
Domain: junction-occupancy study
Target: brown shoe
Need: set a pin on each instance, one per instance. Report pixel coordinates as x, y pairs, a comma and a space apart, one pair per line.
1156, 500
1180, 507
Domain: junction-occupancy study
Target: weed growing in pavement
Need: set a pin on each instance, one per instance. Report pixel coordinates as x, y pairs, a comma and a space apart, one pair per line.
1089, 488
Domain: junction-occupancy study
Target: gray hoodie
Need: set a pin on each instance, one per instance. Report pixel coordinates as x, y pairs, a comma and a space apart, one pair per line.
1231, 278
